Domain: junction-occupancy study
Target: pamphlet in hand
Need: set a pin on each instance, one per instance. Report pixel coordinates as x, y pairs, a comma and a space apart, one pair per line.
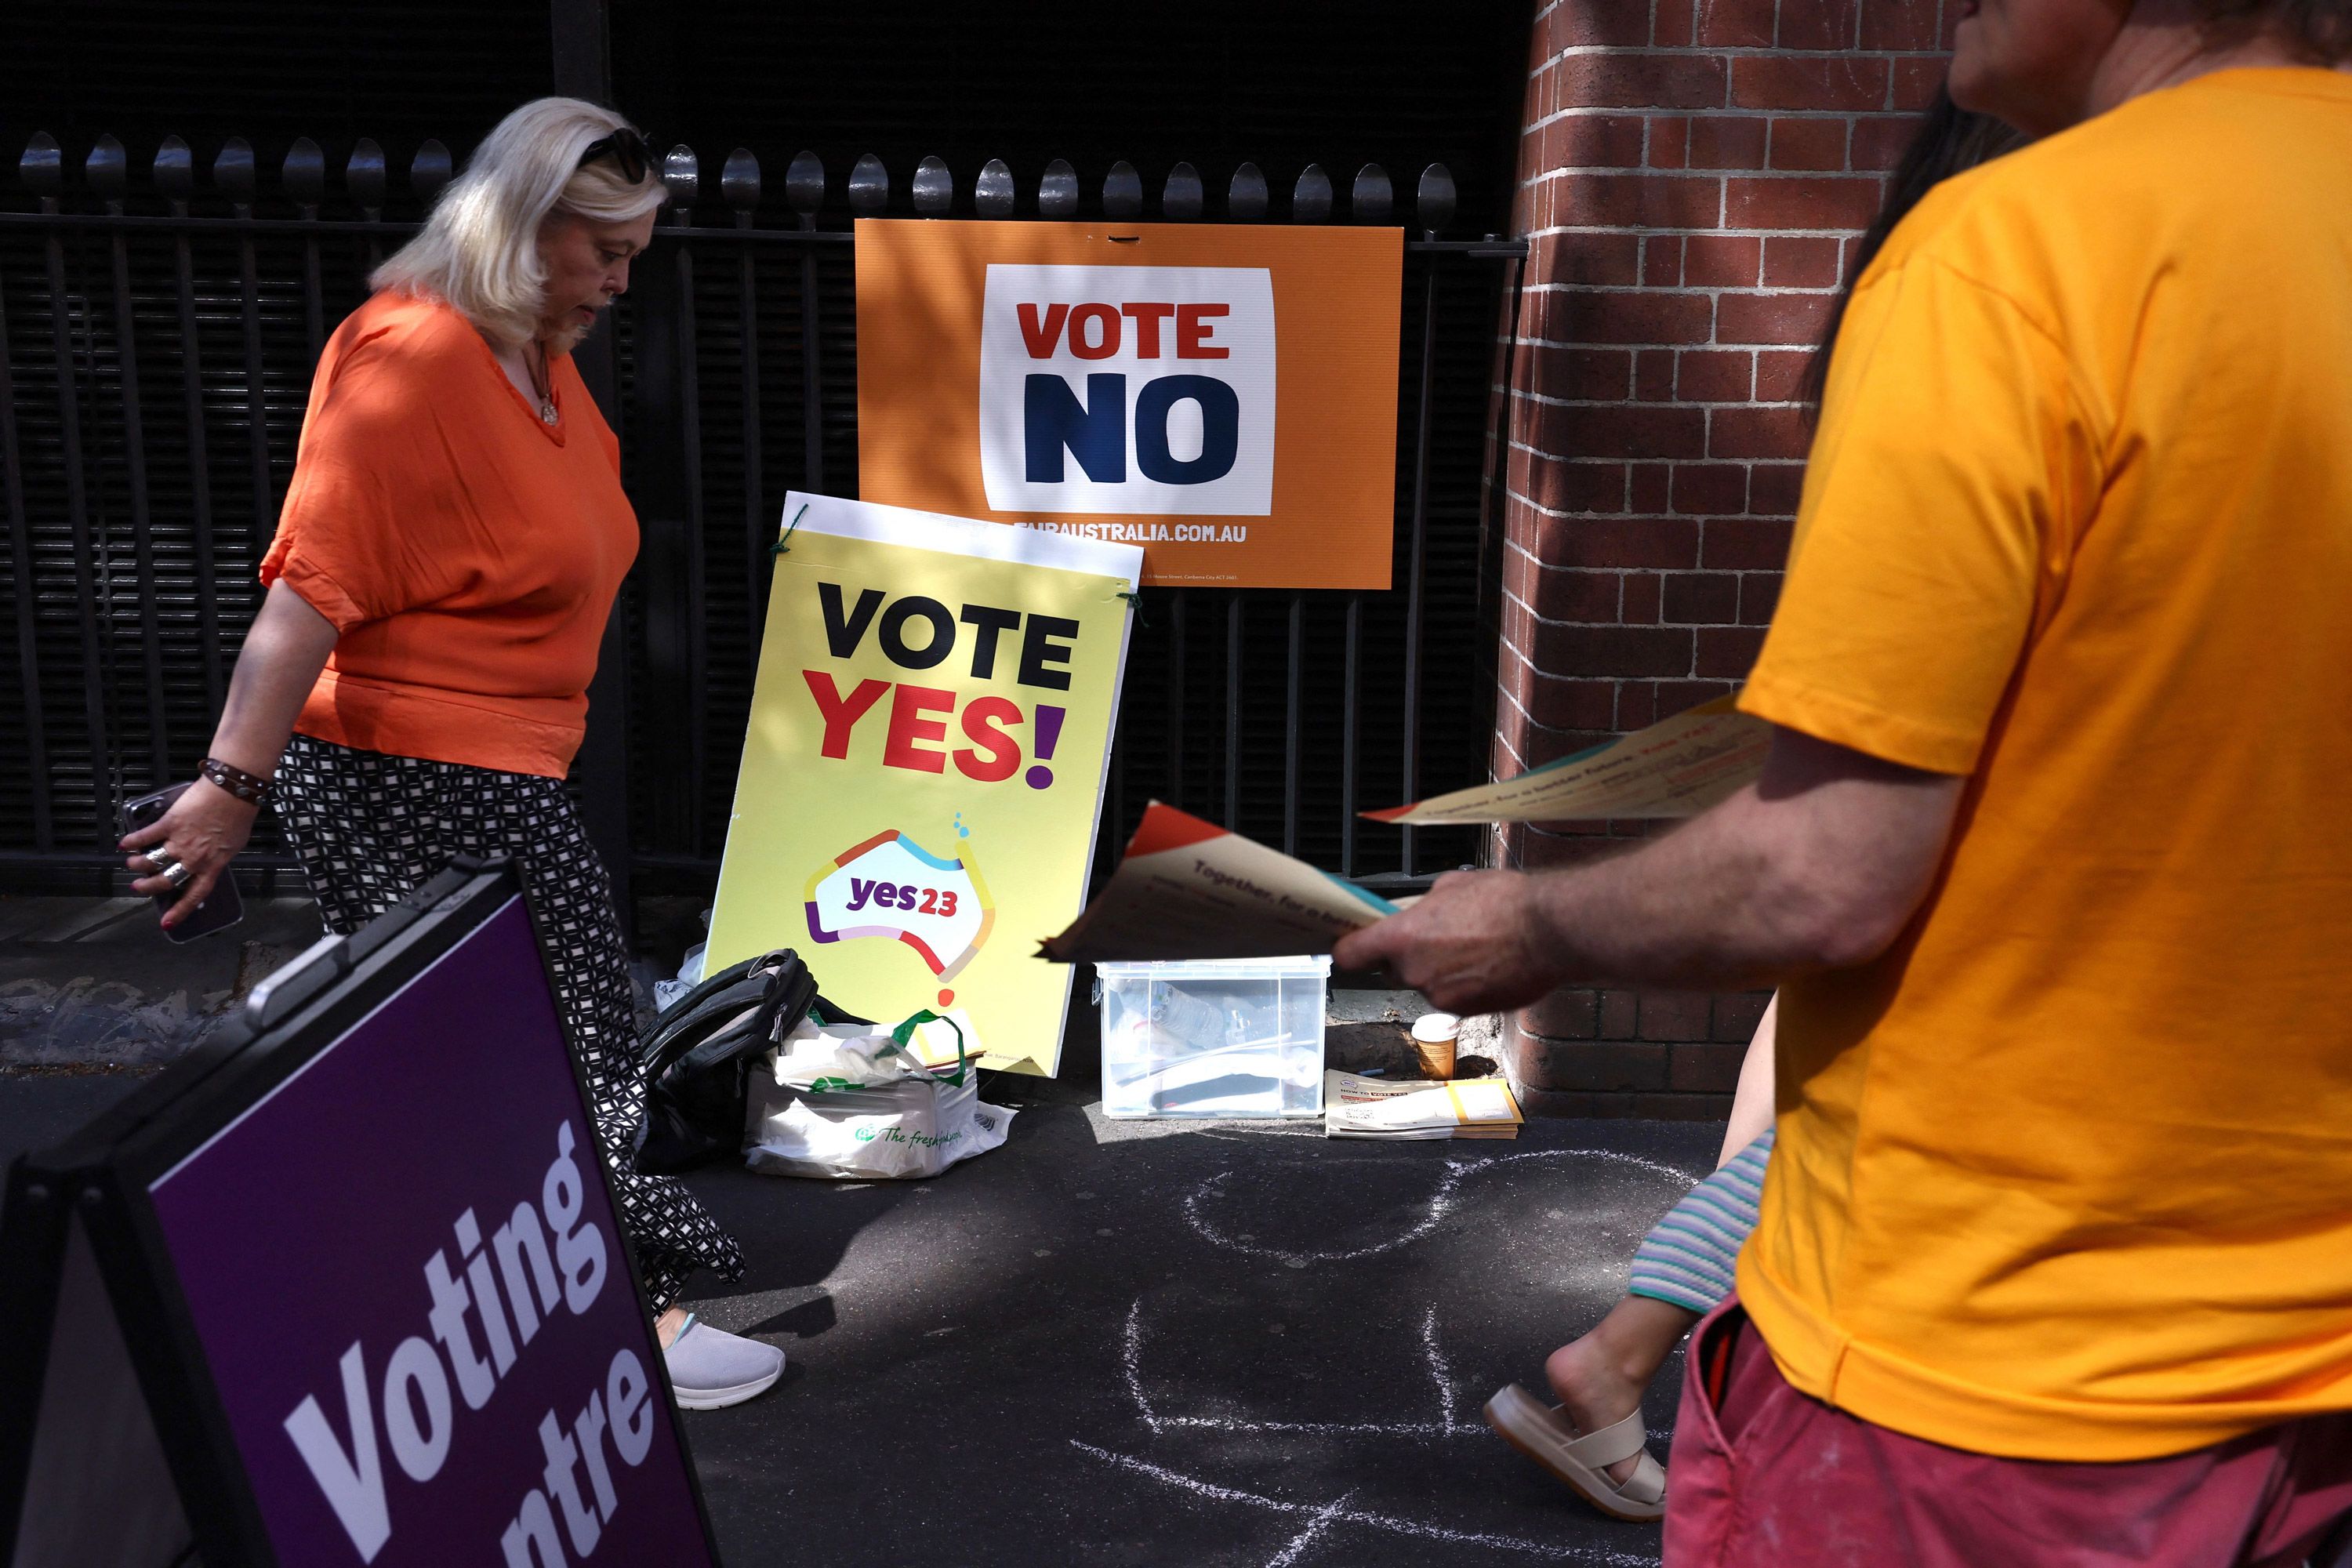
1187, 888
1676, 767
1355, 1106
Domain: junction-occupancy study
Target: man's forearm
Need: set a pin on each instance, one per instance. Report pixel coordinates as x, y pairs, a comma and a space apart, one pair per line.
1817, 865
1792, 875
1707, 905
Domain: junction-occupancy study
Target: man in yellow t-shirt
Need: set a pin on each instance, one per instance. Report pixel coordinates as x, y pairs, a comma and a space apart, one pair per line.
2049, 857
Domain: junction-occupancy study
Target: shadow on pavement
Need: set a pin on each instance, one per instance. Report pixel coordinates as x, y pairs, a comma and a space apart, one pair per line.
1176, 1344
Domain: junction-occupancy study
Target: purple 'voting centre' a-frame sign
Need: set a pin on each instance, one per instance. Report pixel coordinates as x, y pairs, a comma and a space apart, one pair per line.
346, 1286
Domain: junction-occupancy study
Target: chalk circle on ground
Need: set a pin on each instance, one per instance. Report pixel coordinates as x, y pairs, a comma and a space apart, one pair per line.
1438, 1206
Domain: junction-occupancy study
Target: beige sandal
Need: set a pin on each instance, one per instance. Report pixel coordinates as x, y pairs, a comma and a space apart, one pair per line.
1581, 1459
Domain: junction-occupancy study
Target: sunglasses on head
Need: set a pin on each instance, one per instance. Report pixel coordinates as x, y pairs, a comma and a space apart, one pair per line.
627, 149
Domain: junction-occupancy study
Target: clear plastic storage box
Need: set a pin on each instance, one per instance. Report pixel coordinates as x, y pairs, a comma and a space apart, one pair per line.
1238, 1037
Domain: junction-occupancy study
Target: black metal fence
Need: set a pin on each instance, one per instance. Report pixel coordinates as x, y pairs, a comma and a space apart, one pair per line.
156, 342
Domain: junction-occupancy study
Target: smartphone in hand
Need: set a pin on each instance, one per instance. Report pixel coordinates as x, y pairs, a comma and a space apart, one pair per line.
222, 906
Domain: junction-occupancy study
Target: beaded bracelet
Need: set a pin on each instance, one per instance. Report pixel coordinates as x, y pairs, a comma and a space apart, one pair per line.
246, 786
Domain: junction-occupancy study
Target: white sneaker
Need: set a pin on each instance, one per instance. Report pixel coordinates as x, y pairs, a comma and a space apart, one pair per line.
711, 1369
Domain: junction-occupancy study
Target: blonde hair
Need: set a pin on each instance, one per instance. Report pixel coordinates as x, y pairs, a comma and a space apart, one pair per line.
479, 249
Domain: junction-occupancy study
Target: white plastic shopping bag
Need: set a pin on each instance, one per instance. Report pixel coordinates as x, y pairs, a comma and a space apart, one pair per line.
844, 1103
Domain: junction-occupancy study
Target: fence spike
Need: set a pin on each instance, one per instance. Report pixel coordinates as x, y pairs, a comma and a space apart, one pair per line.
363, 175
1245, 198
1057, 192
869, 186
233, 171
1122, 191
1373, 197
681, 171
43, 166
934, 186
1181, 197
804, 182
1435, 199
429, 170
304, 173
176, 170
108, 168
1310, 199
738, 181
991, 194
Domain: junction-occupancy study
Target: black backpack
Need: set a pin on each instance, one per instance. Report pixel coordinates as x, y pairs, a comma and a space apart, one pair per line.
697, 1058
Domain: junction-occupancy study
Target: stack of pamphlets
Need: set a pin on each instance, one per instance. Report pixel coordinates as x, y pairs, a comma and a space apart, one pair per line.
1356, 1107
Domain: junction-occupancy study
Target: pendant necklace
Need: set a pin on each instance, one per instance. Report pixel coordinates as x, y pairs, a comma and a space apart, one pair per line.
542, 385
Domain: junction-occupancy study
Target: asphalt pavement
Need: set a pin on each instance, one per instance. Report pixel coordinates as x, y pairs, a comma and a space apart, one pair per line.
1124, 1343
90, 984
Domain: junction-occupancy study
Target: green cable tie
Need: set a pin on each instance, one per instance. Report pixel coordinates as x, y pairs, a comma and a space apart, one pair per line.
784, 546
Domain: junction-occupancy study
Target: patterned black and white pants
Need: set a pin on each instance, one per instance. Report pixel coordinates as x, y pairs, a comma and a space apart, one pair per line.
369, 827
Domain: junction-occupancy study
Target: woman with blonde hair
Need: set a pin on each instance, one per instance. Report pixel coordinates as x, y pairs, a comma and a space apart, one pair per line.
416, 683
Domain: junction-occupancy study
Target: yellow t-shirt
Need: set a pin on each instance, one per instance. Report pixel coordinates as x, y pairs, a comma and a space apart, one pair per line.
2067, 1173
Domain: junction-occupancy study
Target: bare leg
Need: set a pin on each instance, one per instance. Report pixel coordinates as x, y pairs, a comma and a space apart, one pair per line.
668, 1325
1599, 1378
1752, 1105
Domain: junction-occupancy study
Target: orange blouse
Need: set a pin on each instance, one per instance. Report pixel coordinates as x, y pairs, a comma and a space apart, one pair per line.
466, 552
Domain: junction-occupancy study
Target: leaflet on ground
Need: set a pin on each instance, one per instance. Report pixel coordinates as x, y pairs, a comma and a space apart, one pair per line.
1357, 1106
1187, 888
1676, 767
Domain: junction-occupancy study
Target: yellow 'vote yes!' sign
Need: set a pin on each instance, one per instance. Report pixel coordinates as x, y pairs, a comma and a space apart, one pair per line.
924, 765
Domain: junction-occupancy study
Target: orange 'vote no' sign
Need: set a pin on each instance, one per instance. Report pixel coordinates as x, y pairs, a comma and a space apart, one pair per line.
1223, 396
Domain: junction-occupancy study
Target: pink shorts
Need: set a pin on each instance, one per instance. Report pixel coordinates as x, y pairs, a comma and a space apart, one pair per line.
1765, 1476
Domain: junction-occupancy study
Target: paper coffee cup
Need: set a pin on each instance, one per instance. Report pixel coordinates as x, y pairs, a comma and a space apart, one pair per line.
1434, 1035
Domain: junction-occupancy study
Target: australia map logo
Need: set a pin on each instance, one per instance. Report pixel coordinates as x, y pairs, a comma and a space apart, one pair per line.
890, 886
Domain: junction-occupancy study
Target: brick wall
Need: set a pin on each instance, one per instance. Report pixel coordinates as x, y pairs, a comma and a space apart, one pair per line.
1692, 176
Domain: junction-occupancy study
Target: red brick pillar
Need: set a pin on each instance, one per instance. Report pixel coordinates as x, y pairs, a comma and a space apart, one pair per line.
1692, 176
